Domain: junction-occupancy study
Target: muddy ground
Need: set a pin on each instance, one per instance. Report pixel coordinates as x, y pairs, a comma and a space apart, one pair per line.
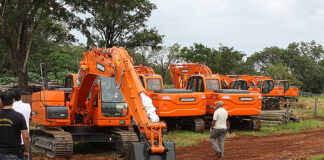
280, 146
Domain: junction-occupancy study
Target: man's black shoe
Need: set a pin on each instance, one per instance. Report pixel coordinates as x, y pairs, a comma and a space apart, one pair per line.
218, 153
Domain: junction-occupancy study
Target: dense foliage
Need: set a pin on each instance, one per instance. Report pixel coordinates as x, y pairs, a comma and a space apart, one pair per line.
301, 63
34, 32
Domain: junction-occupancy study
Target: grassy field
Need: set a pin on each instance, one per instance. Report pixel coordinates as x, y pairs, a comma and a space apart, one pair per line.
306, 105
186, 138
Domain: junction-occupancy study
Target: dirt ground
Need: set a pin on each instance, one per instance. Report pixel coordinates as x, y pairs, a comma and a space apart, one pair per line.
280, 146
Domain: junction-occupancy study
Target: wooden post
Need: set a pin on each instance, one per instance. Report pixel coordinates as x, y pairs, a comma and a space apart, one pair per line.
316, 104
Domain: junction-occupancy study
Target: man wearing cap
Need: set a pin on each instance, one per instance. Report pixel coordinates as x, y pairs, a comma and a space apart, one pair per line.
218, 129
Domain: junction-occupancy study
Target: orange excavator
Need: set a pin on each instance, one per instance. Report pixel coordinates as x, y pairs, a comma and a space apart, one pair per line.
140, 69
177, 107
242, 105
98, 105
273, 92
290, 92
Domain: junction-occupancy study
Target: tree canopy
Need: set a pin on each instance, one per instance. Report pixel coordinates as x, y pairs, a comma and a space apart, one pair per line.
118, 23
224, 60
19, 24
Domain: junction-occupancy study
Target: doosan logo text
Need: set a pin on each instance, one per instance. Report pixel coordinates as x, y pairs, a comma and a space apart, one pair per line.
187, 99
246, 98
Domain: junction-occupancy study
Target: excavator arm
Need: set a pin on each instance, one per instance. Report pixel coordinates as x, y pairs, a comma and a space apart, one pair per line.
140, 69
180, 73
116, 62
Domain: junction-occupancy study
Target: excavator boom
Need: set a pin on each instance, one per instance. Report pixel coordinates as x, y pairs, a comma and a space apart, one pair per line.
116, 62
83, 105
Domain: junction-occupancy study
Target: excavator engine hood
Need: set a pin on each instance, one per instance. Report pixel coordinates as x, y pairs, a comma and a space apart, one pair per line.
140, 151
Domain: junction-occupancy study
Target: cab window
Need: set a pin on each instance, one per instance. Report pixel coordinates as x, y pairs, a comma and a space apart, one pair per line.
267, 86
196, 84
284, 84
240, 84
112, 101
212, 84
153, 84
68, 82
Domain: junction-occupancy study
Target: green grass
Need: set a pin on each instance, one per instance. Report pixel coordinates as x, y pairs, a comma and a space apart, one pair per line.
321, 113
307, 98
251, 133
186, 138
306, 105
305, 112
309, 113
295, 127
316, 157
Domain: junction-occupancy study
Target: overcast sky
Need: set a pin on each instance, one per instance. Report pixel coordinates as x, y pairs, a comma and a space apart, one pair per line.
247, 25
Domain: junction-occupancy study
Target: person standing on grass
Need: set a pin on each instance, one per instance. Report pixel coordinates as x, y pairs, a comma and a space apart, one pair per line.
12, 125
218, 129
23, 108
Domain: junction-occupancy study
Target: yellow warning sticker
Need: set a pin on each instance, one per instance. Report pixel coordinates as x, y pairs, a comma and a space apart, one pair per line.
117, 60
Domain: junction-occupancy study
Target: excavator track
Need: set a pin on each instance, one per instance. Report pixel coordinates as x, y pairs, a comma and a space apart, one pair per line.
270, 103
53, 142
199, 124
245, 123
124, 139
195, 124
256, 123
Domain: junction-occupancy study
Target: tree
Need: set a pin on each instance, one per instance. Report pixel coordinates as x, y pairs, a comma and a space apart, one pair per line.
201, 54
161, 60
118, 23
19, 23
302, 60
268, 56
224, 60
230, 61
281, 72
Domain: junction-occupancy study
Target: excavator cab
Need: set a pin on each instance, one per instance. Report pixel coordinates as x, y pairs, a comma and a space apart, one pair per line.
266, 86
239, 84
113, 103
283, 83
196, 84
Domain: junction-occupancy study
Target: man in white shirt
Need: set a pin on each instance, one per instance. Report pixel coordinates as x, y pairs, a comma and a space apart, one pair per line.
23, 108
218, 129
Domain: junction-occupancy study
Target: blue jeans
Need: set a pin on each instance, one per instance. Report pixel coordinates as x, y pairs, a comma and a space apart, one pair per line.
9, 157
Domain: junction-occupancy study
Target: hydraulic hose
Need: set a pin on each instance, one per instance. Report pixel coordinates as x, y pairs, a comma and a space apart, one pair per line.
121, 79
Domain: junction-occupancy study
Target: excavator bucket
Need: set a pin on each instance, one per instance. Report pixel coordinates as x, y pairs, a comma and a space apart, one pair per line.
139, 151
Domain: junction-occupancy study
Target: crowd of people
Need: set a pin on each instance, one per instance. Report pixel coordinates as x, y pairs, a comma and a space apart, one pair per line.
14, 126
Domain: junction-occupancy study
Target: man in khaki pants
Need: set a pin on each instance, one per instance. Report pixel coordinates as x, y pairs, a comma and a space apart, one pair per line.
218, 129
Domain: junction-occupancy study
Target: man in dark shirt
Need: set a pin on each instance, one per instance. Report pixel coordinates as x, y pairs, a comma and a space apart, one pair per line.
12, 125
